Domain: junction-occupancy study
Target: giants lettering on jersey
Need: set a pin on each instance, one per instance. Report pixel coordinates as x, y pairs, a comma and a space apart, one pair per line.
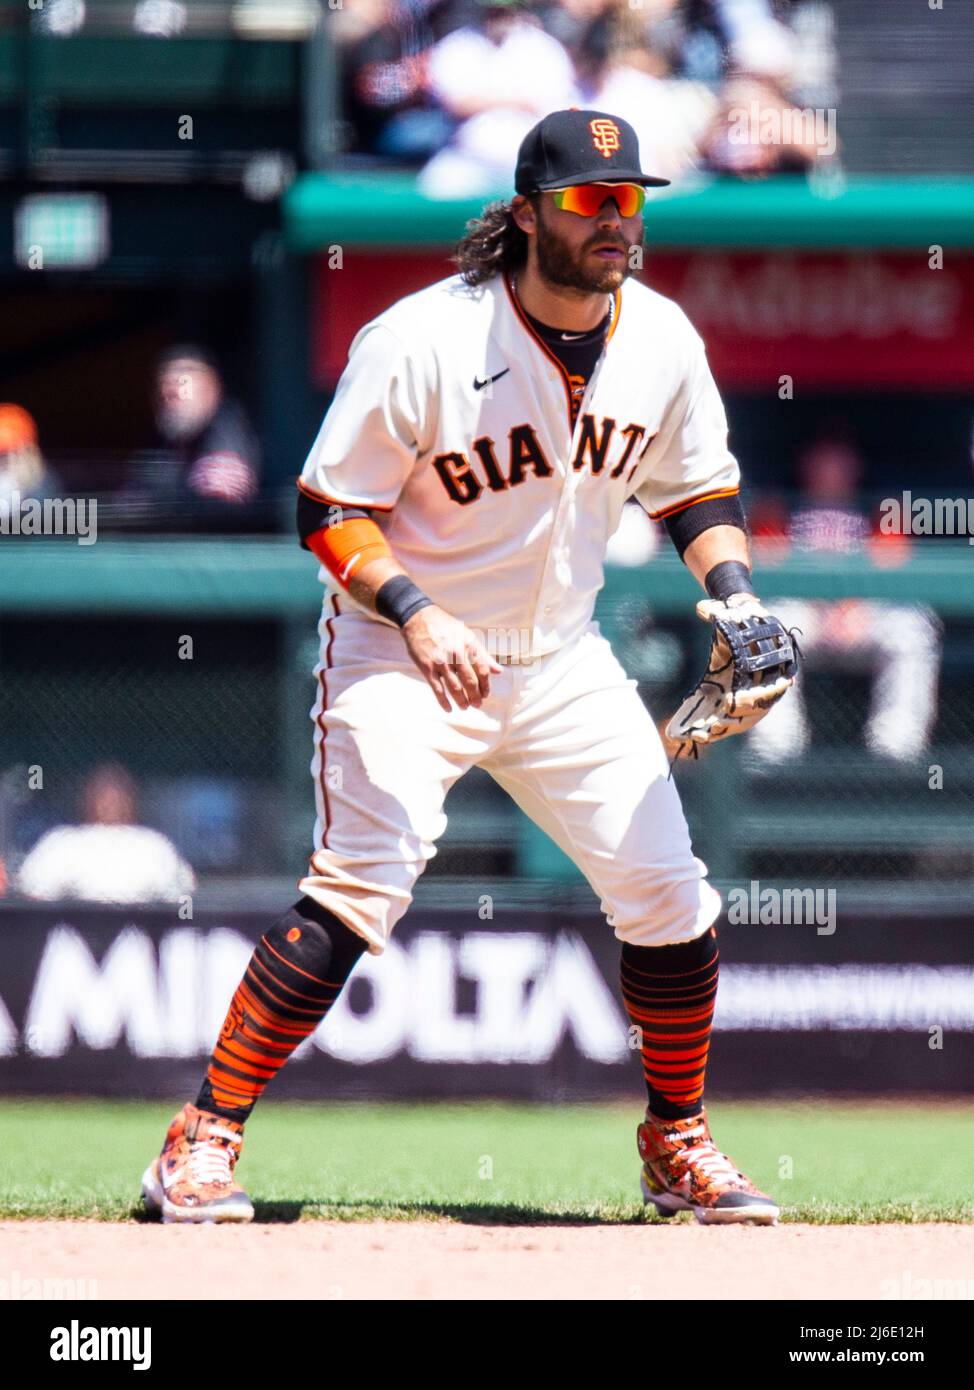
465, 482
412, 435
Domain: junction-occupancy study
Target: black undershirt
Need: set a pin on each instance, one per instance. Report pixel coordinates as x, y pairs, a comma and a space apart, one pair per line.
577, 352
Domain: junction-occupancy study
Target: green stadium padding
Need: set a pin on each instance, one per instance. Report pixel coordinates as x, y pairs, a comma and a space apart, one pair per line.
384, 209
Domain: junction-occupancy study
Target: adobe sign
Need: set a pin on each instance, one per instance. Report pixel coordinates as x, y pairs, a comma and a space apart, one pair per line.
825, 319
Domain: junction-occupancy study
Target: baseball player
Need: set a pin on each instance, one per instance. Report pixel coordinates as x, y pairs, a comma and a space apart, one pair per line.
476, 458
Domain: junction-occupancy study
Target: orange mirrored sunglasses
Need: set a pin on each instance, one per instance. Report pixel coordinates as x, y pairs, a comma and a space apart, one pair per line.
586, 199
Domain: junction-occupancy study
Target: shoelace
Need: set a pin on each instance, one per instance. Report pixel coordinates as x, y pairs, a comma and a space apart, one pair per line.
709, 1159
209, 1163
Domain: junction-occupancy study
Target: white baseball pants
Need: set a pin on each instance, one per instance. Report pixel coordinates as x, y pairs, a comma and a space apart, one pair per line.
568, 738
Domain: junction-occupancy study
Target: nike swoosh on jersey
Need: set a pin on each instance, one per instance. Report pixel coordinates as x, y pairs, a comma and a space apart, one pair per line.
479, 385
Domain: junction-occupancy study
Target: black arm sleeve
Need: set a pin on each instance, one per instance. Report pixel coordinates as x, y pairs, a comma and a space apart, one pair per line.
313, 515
687, 525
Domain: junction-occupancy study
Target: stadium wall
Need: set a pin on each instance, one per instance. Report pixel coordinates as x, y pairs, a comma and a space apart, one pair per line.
484, 1000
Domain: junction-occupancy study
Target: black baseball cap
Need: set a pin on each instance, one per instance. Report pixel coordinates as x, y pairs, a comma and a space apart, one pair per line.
570, 147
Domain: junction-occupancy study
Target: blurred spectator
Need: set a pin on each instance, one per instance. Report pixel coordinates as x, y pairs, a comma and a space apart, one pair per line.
758, 129
697, 40
60, 17
497, 77
205, 450
616, 72
160, 19
900, 644
384, 52
751, 26
459, 82
23, 469
672, 36
109, 858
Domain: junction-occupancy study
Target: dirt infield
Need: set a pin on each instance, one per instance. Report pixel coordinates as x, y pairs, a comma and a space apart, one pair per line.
447, 1260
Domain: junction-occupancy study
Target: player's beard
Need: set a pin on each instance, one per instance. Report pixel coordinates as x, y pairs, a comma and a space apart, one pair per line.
559, 264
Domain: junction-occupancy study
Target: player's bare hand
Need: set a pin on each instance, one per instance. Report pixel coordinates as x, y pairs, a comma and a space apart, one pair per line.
454, 661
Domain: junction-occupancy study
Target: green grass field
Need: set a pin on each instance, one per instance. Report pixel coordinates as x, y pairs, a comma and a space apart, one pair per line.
826, 1161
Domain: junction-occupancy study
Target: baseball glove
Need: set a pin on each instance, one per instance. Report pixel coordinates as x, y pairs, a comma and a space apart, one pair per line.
753, 661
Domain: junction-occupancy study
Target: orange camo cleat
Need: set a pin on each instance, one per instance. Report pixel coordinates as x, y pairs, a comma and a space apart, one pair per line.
683, 1170
192, 1179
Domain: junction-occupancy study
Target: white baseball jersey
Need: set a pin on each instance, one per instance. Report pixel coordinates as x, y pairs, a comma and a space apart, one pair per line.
453, 422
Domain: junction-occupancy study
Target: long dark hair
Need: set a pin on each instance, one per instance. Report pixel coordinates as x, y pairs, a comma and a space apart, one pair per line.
491, 243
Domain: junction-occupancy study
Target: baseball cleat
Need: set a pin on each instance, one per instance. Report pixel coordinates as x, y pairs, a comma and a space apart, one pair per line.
683, 1170
192, 1179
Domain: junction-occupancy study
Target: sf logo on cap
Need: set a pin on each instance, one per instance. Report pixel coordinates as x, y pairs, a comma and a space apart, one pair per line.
605, 136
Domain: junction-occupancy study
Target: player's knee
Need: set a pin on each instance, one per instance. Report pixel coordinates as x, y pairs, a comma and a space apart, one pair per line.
678, 912
315, 940
370, 907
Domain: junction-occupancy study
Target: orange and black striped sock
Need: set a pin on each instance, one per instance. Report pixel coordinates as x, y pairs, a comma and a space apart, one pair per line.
669, 993
296, 973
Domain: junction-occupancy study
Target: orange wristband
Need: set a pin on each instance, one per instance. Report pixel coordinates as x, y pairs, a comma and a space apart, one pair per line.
345, 548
